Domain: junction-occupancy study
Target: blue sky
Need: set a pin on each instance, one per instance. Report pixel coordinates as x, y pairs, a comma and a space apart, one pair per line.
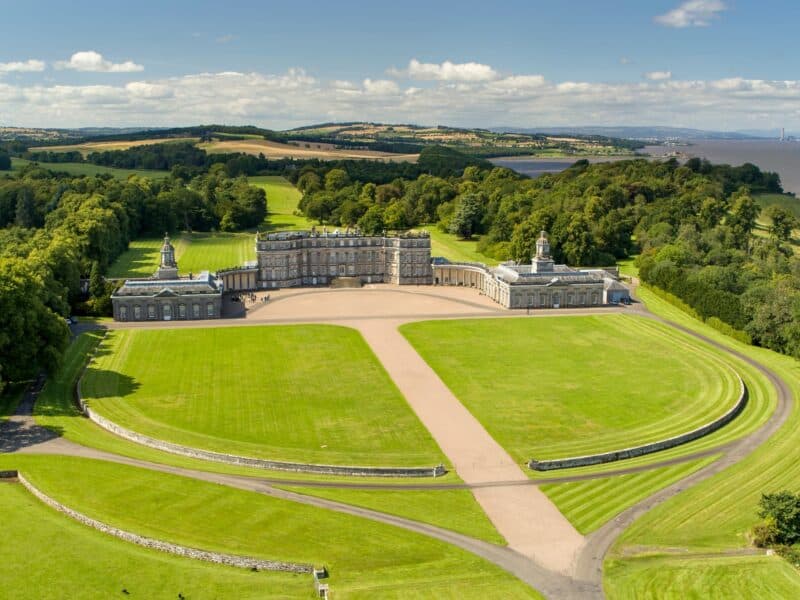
728, 64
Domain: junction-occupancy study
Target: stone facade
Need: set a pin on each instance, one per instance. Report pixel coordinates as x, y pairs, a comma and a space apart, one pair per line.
166, 297
540, 284
311, 258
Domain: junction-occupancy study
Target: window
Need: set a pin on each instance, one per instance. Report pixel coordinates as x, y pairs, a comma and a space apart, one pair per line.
137, 313
123, 313
181, 311
151, 311
210, 309
196, 311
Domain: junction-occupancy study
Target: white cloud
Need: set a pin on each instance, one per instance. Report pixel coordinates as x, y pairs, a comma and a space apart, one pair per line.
27, 66
624, 60
225, 39
89, 60
295, 98
446, 71
658, 75
380, 87
693, 13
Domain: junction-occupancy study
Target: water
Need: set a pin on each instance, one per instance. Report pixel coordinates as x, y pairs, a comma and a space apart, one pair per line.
769, 155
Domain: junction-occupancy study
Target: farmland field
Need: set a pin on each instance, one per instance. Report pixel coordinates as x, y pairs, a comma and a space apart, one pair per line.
88, 169
551, 388
300, 393
99, 146
366, 559
194, 252
300, 151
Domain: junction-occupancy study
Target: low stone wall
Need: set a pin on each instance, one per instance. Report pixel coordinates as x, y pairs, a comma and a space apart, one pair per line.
245, 461
606, 457
244, 562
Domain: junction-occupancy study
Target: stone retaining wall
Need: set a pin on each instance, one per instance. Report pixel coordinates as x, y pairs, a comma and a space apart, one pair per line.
245, 461
606, 457
244, 562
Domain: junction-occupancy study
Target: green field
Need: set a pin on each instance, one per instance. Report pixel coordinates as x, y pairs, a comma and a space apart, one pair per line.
712, 578
299, 393
455, 509
453, 249
568, 386
90, 170
282, 201
48, 555
589, 504
366, 559
787, 201
194, 252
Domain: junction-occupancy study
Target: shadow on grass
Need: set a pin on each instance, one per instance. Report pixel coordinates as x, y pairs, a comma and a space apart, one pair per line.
135, 262
109, 384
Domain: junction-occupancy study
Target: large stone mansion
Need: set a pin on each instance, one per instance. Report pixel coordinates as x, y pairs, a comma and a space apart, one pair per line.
312, 258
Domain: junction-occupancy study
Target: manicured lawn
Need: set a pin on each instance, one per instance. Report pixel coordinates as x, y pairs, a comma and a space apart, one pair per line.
45, 554
282, 201
722, 578
715, 515
589, 504
366, 559
452, 509
194, 252
90, 170
568, 386
309, 393
453, 249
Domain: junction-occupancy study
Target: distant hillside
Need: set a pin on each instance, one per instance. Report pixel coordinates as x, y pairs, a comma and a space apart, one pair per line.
635, 133
476, 142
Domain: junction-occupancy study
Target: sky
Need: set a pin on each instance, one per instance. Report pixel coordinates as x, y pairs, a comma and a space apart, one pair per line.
709, 64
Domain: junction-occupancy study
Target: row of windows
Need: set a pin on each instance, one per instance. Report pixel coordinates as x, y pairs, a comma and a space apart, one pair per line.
166, 312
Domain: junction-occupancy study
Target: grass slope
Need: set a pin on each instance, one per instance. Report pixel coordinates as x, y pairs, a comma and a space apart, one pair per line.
311, 393
453, 249
458, 508
787, 201
590, 504
194, 252
715, 515
366, 559
47, 555
568, 386
282, 201
706, 578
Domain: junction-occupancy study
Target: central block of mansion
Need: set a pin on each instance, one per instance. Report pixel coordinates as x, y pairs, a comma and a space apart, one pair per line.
309, 258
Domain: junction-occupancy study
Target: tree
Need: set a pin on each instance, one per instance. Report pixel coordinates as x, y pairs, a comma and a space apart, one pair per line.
26, 210
97, 285
5, 161
783, 222
32, 336
336, 179
467, 216
372, 221
744, 212
782, 509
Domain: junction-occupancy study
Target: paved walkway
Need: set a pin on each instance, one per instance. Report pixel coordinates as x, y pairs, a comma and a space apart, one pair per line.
524, 516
